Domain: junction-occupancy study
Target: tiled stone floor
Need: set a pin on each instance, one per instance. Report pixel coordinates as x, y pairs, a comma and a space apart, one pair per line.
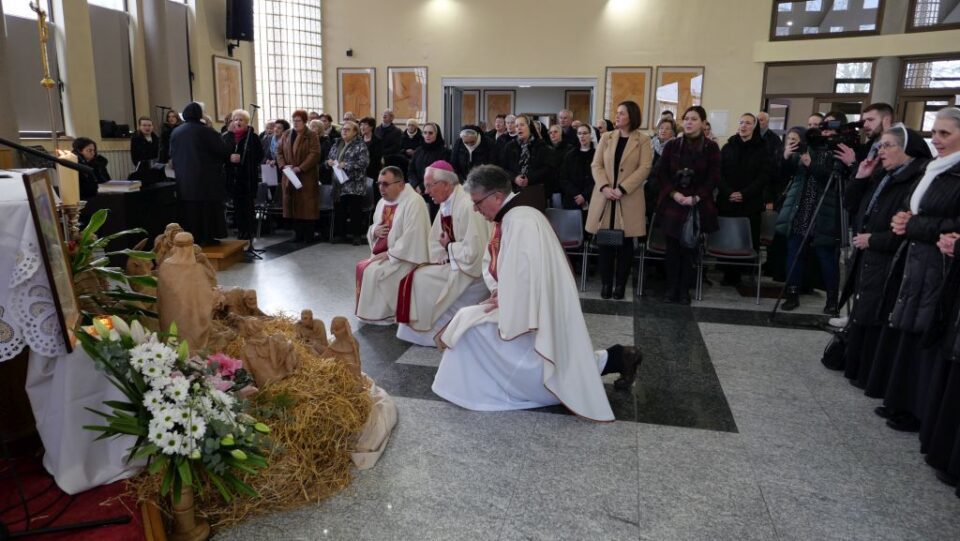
734, 431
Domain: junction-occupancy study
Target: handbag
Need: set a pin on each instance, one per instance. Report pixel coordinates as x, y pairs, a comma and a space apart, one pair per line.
834, 353
690, 234
610, 238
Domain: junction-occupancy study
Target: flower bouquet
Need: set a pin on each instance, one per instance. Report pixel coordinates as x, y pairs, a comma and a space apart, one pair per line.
184, 411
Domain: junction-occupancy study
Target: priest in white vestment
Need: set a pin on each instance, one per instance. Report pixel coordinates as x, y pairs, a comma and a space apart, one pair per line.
431, 294
398, 243
527, 346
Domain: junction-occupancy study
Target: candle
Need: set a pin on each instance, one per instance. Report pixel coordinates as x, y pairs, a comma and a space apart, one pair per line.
69, 179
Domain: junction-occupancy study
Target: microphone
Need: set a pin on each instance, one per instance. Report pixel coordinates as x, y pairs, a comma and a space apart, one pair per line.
254, 105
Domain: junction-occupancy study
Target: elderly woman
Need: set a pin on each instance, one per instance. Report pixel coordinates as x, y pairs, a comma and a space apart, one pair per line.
933, 208
411, 139
242, 172
872, 198
620, 166
299, 152
349, 156
688, 173
470, 150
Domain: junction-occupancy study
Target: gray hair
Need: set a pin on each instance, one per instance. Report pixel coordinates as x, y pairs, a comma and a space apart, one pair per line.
442, 175
950, 113
489, 178
243, 114
393, 170
315, 125
508, 117
568, 111
897, 131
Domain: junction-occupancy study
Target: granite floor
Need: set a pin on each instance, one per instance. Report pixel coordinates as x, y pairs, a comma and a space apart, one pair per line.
734, 431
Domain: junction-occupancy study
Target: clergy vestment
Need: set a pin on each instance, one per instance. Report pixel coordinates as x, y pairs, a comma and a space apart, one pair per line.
534, 349
431, 294
405, 246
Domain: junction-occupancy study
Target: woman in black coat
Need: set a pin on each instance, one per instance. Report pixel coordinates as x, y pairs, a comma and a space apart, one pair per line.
144, 145
471, 149
934, 207
528, 160
872, 198
411, 139
86, 151
576, 175
170, 121
242, 172
431, 150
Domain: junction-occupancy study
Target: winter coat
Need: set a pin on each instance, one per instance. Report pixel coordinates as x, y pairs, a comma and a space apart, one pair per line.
463, 161
354, 161
576, 177
827, 227
242, 178
422, 158
90, 183
631, 211
390, 139
540, 171
165, 132
745, 167
375, 154
142, 150
871, 267
303, 152
198, 155
925, 267
703, 157
410, 143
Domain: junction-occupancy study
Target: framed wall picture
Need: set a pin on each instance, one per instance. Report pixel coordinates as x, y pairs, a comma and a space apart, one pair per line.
47, 223
578, 101
678, 87
407, 93
497, 102
628, 83
470, 108
227, 86
356, 91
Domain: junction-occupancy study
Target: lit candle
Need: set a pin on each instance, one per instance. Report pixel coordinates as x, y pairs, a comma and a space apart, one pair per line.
69, 179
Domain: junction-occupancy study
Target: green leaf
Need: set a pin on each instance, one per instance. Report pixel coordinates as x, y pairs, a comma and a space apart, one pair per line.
99, 262
129, 252
239, 485
96, 222
147, 450
168, 476
129, 295
97, 428
125, 406
143, 279
221, 487
110, 273
183, 466
157, 463
103, 241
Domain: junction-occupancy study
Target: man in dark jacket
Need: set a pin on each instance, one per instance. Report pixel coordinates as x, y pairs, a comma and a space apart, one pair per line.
471, 150
744, 172
388, 134
569, 133
198, 155
772, 141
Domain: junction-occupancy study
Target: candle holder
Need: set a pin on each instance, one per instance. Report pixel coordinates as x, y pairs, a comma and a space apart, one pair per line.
70, 218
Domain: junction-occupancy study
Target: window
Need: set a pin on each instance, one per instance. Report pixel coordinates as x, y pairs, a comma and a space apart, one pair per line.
110, 33
932, 74
933, 15
288, 57
816, 18
32, 110
21, 8
853, 78
118, 5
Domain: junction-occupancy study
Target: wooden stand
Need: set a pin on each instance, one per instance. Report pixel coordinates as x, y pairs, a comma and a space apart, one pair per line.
225, 254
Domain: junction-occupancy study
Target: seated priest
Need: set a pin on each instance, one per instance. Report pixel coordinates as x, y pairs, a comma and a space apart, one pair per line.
527, 346
431, 294
398, 242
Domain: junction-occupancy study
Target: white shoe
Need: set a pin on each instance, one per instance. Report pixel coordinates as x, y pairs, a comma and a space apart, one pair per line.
839, 322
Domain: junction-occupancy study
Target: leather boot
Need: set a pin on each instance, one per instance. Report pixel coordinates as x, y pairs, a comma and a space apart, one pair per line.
792, 299
831, 308
632, 359
619, 291
606, 291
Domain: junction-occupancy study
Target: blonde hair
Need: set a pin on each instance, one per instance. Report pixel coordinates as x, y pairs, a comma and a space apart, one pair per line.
243, 114
315, 125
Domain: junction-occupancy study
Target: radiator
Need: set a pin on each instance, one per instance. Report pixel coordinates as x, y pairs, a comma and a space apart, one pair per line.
118, 163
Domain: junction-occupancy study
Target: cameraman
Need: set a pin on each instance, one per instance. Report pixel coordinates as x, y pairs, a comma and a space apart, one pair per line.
688, 171
812, 170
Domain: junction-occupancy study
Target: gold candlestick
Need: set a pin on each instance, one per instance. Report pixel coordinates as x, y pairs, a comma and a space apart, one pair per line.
46, 82
70, 218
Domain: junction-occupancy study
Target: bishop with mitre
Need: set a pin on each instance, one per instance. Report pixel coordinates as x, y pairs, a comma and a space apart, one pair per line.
527, 346
431, 294
398, 243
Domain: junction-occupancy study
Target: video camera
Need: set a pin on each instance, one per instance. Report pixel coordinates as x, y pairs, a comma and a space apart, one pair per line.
845, 134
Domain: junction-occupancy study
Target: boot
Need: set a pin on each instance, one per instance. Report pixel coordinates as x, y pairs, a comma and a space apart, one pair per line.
606, 291
632, 358
792, 299
831, 308
619, 291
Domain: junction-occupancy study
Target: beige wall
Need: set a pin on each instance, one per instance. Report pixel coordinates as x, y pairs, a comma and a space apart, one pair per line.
559, 38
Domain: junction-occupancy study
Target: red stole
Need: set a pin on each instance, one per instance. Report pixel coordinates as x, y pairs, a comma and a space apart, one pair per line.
446, 225
378, 247
405, 292
494, 248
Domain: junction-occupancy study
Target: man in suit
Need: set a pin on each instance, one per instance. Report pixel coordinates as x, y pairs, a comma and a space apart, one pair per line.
388, 134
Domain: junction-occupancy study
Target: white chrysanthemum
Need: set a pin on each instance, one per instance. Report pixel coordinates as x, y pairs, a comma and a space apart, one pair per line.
196, 427
160, 383
168, 417
171, 443
156, 432
178, 390
153, 400
222, 398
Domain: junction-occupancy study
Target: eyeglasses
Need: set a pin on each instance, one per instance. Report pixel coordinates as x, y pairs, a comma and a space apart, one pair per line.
385, 184
476, 204
885, 145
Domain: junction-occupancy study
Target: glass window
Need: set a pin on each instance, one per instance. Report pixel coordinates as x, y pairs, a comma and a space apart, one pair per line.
812, 17
810, 30
814, 5
784, 7
927, 14
21, 8
836, 29
839, 5
932, 74
871, 4
853, 78
119, 5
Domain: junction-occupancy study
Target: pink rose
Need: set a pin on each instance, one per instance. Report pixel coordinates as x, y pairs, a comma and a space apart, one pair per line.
219, 383
226, 365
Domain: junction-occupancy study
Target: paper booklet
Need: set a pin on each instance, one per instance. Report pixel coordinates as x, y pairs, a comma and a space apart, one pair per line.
268, 174
341, 175
292, 177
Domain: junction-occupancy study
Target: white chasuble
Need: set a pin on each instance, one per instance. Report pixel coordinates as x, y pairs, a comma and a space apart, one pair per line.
406, 247
534, 349
431, 294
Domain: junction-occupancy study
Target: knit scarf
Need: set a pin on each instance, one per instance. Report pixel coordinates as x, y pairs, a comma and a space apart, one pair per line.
934, 168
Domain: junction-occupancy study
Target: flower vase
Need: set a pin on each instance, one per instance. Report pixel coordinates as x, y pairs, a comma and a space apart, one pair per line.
186, 525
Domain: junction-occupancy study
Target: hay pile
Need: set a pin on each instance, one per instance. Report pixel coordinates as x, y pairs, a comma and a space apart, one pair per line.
314, 415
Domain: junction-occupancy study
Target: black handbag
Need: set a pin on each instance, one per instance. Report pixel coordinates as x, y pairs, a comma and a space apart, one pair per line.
835, 352
610, 238
690, 234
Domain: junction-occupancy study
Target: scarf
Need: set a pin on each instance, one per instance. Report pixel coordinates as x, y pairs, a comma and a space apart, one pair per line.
238, 135
525, 155
934, 169
883, 184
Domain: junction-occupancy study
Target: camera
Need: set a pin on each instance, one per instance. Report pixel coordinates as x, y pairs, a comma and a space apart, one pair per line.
845, 134
685, 177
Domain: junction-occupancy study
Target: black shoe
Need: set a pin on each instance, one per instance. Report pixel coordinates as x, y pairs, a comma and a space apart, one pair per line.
884, 412
831, 308
904, 422
792, 299
632, 359
606, 291
618, 292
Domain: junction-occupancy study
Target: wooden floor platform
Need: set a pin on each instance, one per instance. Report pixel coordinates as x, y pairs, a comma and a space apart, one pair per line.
225, 254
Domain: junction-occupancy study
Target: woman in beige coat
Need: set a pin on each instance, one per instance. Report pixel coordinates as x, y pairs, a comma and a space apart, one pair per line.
620, 166
299, 149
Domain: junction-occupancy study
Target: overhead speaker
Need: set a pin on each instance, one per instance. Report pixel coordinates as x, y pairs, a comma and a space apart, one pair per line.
240, 20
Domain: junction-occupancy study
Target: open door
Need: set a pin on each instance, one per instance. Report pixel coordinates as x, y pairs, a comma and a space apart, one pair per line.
452, 112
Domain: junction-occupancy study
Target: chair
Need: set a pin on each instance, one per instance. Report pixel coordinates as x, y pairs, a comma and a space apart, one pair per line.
732, 241
568, 225
326, 204
555, 201
655, 247
261, 206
